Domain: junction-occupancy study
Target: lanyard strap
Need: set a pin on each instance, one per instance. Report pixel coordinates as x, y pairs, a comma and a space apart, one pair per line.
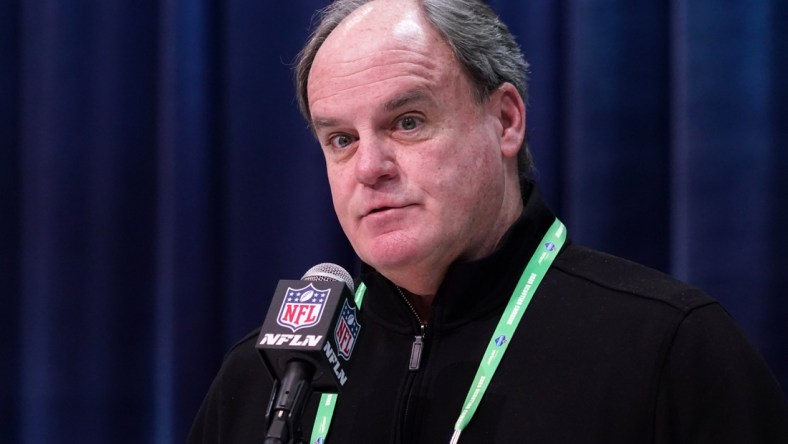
328, 401
532, 276
523, 293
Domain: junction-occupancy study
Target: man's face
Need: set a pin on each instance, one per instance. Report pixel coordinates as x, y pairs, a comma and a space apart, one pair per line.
415, 165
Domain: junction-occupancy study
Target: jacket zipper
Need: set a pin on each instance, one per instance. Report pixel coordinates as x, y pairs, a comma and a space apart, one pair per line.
418, 341
413, 364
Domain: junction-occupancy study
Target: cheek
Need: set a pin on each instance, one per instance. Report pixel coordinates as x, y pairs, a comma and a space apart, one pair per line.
474, 162
338, 175
475, 184
339, 192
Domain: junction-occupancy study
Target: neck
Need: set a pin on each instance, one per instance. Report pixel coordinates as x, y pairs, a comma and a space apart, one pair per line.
420, 281
421, 305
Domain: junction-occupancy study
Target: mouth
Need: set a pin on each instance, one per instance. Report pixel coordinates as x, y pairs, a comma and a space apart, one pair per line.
383, 209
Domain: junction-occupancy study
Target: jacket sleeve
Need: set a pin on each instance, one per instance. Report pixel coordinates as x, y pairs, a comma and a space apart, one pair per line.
716, 388
233, 410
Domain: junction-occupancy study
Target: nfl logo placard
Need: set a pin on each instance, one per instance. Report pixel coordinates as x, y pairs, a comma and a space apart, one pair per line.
302, 307
346, 331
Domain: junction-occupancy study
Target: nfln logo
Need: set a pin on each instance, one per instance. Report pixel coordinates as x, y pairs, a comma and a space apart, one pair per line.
302, 307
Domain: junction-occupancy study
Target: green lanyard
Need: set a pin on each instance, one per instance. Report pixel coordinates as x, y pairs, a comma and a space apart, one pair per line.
328, 401
523, 293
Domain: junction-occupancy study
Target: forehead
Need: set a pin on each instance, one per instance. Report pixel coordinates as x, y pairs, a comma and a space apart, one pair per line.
380, 47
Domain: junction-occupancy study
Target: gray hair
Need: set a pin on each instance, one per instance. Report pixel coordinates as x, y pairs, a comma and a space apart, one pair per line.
481, 42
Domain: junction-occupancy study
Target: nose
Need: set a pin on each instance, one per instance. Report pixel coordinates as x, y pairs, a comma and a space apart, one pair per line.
375, 161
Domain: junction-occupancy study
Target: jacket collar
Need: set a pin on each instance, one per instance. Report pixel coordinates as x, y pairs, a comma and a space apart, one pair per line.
470, 290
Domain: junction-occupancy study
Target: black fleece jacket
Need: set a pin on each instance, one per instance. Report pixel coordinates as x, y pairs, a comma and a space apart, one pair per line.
607, 352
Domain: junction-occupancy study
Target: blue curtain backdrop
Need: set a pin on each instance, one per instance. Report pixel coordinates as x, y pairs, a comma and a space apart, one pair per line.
156, 181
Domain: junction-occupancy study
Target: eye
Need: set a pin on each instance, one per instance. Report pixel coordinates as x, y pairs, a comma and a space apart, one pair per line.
340, 141
409, 123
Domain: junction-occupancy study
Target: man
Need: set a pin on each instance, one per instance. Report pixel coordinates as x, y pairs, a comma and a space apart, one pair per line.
419, 109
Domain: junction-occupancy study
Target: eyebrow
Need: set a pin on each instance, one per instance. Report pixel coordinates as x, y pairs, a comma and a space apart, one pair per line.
405, 99
409, 97
320, 122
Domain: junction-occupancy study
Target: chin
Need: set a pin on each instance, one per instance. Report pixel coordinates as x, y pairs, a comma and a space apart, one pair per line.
391, 255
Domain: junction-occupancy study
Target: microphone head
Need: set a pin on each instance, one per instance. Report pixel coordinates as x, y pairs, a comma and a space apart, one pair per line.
314, 320
327, 272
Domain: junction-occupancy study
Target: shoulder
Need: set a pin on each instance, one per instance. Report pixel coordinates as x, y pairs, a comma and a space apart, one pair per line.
604, 274
233, 409
243, 368
700, 362
244, 349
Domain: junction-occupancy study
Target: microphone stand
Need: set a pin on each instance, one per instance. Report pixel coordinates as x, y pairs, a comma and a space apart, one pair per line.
287, 403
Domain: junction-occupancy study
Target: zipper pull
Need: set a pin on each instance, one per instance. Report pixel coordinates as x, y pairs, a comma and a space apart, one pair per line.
415, 350
415, 353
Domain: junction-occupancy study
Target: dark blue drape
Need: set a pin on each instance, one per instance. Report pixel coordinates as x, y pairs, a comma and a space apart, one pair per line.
156, 180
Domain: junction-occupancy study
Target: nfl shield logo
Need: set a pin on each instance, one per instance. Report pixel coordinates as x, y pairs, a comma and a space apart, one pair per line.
302, 307
346, 331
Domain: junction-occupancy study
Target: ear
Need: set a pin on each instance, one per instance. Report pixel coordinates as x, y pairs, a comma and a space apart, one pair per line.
510, 110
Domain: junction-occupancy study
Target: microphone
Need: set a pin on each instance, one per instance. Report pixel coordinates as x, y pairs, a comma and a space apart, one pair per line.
306, 342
